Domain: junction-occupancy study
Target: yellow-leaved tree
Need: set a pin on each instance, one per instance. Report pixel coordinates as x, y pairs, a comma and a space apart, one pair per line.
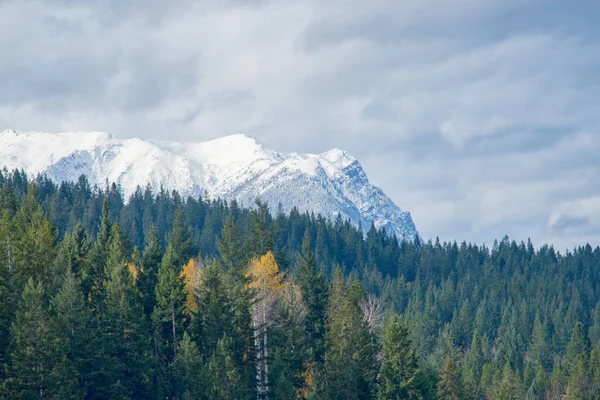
191, 275
267, 283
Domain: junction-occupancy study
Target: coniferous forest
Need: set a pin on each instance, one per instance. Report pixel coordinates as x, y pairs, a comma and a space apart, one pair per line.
161, 297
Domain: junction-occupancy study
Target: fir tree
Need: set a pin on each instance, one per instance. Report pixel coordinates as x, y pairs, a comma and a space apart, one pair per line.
226, 380
125, 347
314, 290
188, 372
449, 386
399, 368
39, 367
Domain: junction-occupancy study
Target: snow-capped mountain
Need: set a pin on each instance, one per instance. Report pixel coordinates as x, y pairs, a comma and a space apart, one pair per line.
232, 167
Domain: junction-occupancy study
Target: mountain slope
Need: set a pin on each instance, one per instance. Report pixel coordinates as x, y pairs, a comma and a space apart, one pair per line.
230, 167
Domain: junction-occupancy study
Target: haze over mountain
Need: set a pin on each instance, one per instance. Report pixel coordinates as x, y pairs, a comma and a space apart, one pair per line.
231, 167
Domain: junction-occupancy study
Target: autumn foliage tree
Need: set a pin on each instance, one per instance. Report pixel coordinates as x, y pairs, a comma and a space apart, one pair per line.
267, 283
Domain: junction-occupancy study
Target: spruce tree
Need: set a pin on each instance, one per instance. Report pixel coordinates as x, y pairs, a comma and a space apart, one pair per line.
289, 339
188, 371
125, 346
580, 382
350, 367
449, 385
578, 346
399, 368
39, 367
151, 259
168, 317
77, 326
314, 290
226, 382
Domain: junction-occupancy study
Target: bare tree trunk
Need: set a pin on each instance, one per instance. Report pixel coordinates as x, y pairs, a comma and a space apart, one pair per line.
257, 343
174, 334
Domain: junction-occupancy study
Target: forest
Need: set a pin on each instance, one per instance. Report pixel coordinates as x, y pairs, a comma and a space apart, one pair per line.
160, 297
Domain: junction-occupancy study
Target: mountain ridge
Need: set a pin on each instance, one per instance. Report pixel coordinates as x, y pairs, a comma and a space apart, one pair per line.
230, 167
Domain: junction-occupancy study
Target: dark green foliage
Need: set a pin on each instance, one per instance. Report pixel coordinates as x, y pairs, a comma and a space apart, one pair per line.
168, 317
350, 367
190, 379
39, 365
313, 286
125, 343
78, 329
450, 385
399, 368
151, 260
509, 321
226, 381
288, 335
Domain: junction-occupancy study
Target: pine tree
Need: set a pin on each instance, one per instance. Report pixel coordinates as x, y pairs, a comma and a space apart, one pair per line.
8, 294
229, 245
39, 367
180, 240
449, 386
125, 347
170, 300
261, 233
226, 380
314, 290
168, 317
151, 260
350, 367
94, 276
79, 329
472, 368
594, 332
580, 383
540, 344
506, 386
578, 346
36, 250
188, 372
399, 368
538, 386
289, 339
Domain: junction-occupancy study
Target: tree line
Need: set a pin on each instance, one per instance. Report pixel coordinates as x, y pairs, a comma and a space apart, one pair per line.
164, 297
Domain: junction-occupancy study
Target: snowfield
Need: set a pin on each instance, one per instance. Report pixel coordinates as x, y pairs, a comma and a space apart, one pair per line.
231, 167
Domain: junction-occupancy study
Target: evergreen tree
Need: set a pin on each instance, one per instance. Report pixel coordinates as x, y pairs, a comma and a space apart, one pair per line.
399, 368
472, 368
168, 317
260, 237
578, 346
314, 290
226, 380
125, 347
506, 386
77, 326
288, 337
580, 383
350, 367
151, 260
449, 386
188, 372
229, 245
39, 366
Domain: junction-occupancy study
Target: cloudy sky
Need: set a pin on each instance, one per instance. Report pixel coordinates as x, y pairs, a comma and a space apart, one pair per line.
480, 117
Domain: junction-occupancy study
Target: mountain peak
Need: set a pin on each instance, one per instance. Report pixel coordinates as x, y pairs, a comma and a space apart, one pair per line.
230, 167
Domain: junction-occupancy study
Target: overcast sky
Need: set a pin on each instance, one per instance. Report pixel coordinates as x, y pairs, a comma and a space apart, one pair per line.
480, 117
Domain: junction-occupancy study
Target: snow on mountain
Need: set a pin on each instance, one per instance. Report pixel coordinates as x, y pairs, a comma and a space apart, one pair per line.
231, 167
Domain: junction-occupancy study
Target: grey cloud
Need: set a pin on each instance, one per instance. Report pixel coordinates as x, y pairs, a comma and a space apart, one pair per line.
480, 118
566, 222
